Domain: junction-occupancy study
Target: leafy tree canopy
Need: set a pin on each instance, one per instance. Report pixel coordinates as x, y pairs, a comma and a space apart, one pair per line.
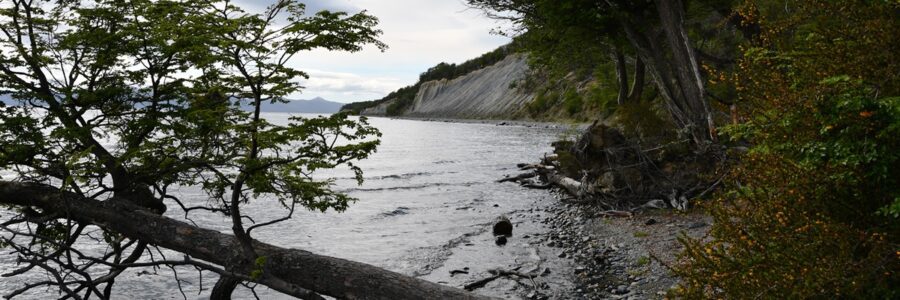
124, 100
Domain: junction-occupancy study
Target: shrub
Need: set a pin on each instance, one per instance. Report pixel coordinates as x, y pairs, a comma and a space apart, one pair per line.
543, 101
811, 212
572, 101
602, 98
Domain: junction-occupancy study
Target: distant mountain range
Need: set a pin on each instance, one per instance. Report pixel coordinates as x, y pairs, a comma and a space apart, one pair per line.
316, 105
6, 98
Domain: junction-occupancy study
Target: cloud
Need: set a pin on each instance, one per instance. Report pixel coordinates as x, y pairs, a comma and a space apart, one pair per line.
419, 34
342, 86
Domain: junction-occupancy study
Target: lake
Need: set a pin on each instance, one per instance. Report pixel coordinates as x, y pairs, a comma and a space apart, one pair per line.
429, 194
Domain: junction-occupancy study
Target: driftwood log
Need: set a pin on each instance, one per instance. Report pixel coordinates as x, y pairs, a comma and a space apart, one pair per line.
287, 270
572, 186
518, 177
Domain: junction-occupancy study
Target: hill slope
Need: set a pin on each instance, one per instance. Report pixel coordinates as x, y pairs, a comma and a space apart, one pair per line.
485, 93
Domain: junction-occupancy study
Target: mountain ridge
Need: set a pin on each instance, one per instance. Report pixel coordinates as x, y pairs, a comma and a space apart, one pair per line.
315, 105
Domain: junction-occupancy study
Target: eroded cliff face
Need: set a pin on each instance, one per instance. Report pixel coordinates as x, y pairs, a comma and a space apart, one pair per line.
488, 93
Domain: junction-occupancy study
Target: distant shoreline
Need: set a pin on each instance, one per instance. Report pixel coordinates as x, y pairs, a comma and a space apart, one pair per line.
498, 122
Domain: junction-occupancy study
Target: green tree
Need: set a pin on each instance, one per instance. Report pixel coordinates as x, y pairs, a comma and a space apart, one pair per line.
121, 101
657, 34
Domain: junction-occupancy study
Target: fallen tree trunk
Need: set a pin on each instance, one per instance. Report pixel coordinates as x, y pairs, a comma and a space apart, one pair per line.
572, 186
286, 270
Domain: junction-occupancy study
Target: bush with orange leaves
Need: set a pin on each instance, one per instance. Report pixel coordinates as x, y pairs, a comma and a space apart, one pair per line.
812, 210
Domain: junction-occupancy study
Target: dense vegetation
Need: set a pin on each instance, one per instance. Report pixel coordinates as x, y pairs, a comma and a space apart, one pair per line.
401, 99
356, 107
810, 88
450, 71
812, 211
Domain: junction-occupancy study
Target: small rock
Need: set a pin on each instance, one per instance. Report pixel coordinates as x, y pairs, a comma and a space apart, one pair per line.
579, 270
503, 226
621, 289
562, 255
650, 222
501, 240
551, 244
696, 225
545, 272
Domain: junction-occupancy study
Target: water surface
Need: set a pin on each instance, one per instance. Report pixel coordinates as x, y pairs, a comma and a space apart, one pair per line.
429, 194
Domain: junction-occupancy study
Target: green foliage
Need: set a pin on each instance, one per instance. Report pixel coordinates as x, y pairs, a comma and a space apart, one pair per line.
643, 261
563, 37
602, 98
542, 101
450, 71
356, 108
259, 268
812, 211
572, 101
645, 121
127, 100
401, 99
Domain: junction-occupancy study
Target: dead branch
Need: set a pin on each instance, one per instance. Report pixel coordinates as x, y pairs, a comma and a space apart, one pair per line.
499, 273
518, 177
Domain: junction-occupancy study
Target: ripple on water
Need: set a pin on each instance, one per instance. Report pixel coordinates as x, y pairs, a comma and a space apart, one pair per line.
409, 217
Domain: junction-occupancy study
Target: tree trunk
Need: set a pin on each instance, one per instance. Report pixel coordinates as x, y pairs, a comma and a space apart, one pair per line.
672, 64
649, 50
637, 85
285, 269
622, 75
686, 67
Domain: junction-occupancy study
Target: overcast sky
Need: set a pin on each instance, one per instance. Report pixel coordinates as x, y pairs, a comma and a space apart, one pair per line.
419, 34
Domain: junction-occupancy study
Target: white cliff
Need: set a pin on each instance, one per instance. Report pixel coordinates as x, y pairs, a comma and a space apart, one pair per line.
483, 94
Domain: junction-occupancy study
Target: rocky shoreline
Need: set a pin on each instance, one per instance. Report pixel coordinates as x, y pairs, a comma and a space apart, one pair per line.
585, 255
497, 122
622, 258
576, 250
